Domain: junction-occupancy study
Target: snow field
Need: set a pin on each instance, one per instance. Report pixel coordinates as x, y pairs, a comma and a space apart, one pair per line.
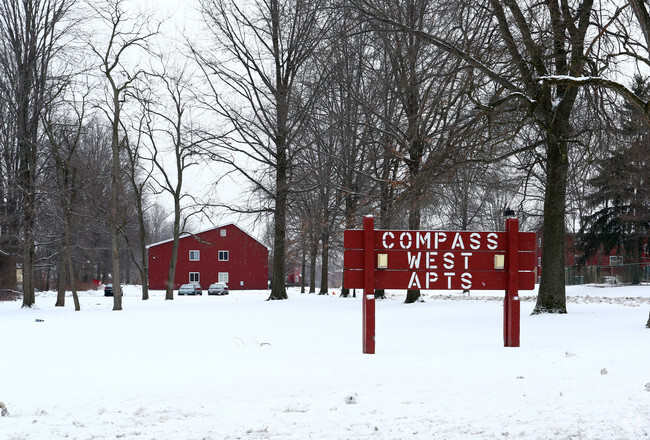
240, 367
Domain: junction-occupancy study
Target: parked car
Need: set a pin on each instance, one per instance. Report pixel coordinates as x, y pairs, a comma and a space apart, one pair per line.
198, 288
108, 290
190, 289
218, 289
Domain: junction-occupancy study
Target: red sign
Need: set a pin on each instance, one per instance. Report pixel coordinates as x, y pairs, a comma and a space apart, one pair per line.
438, 240
480, 261
440, 280
473, 260
439, 260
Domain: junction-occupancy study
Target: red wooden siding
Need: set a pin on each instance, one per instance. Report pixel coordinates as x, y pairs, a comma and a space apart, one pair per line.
247, 264
600, 258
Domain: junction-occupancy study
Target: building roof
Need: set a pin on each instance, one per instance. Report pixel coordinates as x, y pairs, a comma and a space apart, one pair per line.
190, 234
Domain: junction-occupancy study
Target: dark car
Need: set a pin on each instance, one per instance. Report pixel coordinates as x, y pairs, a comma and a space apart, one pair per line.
218, 289
190, 289
108, 290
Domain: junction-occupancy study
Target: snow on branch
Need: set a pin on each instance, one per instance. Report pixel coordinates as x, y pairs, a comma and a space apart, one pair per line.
598, 81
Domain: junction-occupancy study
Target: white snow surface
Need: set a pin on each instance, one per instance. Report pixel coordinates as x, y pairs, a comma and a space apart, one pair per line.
241, 367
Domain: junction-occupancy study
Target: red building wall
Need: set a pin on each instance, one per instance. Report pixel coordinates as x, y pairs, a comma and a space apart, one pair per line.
600, 258
247, 264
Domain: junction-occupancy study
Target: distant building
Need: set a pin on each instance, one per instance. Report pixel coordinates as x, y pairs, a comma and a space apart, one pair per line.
597, 266
222, 254
293, 274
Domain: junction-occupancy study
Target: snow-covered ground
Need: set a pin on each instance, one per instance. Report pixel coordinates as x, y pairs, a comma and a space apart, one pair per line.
240, 367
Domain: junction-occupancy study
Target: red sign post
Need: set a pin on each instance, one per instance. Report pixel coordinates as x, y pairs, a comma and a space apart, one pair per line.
369, 285
383, 259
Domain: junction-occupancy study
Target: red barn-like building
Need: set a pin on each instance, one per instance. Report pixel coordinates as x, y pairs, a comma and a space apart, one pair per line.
222, 254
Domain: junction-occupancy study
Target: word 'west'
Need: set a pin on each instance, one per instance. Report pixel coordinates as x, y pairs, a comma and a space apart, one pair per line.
428, 240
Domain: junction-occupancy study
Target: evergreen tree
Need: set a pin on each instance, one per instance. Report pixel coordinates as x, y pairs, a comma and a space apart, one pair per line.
621, 197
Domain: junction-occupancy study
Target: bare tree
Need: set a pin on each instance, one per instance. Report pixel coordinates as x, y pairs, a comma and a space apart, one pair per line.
430, 88
30, 36
9, 188
126, 33
139, 177
157, 222
170, 125
514, 64
623, 36
64, 125
263, 47
345, 118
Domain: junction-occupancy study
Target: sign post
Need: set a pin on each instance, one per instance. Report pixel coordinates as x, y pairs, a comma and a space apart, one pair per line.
511, 305
369, 285
467, 260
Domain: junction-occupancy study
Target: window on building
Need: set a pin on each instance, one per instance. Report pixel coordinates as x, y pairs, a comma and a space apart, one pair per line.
223, 277
195, 255
195, 277
224, 255
647, 249
222, 232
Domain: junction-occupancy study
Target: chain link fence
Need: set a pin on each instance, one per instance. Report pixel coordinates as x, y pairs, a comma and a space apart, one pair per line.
616, 274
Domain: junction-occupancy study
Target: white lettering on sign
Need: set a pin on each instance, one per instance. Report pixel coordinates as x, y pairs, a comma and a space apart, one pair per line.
441, 237
448, 257
403, 240
415, 281
449, 275
415, 260
388, 235
475, 241
431, 260
466, 255
458, 242
431, 278
466, 280
423, 240
492, 241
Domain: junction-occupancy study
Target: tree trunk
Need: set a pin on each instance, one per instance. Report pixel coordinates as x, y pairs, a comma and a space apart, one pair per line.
324, 273
386, 196
312, 267
142, 243
28, 185
413, 295
552, 295
278, 288
115, 205
171, 273
145, 284
60, 283
29, 256
115, 257
73, 282
303, 263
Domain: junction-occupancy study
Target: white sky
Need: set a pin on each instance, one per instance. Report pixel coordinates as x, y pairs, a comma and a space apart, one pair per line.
184, 18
